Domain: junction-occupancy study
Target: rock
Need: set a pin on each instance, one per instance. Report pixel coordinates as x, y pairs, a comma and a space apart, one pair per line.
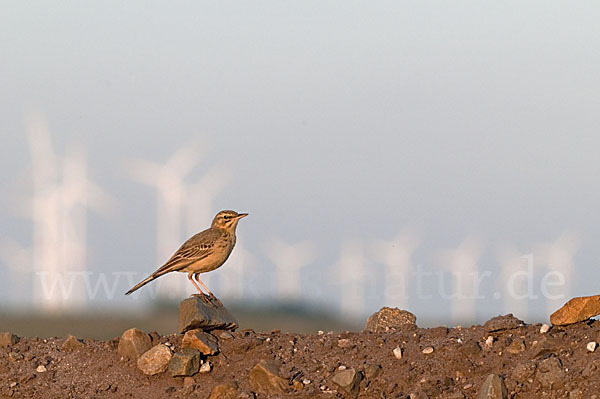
8, 339
224, 335
372, 371
206, 367
133, 343
348, 380
489, 341
185, 363
591, 346
516, 346
576, 309
470, 349
264, 378
223, 391
492, 388
41, 369
194, 313
188, 382
546, 347
198, 339
345, 343
506, 322
428, 350
397, 352
390, 319
155, 360
544, 328
71, 343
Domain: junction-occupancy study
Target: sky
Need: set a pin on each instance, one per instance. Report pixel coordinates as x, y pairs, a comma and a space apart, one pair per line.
336, 125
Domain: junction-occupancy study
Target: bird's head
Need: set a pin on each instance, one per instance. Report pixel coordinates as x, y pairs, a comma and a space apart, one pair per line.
227, 219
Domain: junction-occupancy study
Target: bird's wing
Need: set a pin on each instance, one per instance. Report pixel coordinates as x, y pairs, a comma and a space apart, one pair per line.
196, 248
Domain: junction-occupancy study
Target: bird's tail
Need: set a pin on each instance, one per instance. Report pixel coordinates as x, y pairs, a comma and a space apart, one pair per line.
143, 283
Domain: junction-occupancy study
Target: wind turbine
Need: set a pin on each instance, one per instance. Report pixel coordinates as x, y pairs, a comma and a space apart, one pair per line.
516, 280
288, 260
396, 255
350, 272
557, 257
462, 264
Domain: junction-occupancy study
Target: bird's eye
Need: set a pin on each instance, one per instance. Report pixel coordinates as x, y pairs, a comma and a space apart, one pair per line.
226, 217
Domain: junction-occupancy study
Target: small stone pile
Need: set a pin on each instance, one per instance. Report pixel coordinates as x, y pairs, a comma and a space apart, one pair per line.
197, 319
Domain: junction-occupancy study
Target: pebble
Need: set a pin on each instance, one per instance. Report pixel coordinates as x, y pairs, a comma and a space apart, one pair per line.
8, 339
390, 319
265, 378
428, 350
348, 380
397, 352
342, 368
206, 367
155, 360
71, 343
133, 343
591, 346
320, 332
544, 328
489, 341
306, 381
41, 369
200, 340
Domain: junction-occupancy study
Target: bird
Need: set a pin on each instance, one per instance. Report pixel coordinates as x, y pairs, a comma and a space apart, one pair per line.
203, 252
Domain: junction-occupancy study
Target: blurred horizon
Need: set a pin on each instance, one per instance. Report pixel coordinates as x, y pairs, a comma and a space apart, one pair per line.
435, 157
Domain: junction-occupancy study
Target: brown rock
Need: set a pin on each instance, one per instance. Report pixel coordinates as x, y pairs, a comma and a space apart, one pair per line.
348, 380
198, 339
550, 373
156, 360
372, 371
194, 313
224, 391
493, 388
264, 378
8, 339
133, 343
506, 322
185, 363
71, 343
576, 309
390, 319
516, 346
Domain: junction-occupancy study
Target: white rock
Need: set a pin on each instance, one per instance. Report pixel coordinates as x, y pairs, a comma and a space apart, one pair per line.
591, 346
206, 367
306, 381
342, 368
320, 332
544, 328
398, 352
489, 341
41, 368
428, 350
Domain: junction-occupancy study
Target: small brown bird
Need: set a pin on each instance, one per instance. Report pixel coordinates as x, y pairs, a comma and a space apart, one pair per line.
205, 251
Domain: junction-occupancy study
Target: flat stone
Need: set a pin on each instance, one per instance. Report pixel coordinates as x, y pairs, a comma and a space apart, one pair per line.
576, 309
185, 362
499, 323
372, 371
224, 391
8, 339
493, 388
264, 378
198, 339
133, 343
348, 380
516, 346
194, 313
155, 360
390, 319
71, 343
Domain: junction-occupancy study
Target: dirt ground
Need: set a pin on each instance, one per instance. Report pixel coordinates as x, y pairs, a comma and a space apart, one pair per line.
556, 364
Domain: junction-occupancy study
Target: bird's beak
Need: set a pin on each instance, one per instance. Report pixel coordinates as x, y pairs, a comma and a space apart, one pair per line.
241, 215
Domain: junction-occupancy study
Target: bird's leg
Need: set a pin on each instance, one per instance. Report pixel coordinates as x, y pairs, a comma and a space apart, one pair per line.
197, 277
202, 294
210, 294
